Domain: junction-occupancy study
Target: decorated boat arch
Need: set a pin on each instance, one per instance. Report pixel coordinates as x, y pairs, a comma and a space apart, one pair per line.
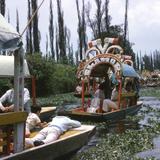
101, 63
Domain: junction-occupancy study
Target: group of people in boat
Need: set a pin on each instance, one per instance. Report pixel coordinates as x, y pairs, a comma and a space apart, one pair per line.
105, 98
49, 132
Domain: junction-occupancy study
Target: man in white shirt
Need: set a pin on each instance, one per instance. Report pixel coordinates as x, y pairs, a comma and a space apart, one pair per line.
9, 98
55, 128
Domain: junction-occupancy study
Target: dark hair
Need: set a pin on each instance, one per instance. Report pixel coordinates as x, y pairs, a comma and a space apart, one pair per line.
12, 81
35, 109
101, 86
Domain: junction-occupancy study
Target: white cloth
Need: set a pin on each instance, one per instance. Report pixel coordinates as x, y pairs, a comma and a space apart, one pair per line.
64, 123
32, 121
9, 97
114, 95
56, 127
95, 102
79, 89
108, 105
99, 94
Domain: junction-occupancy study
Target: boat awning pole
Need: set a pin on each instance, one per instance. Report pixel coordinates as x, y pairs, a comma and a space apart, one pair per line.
18, 98
119, 92
34, 90
83, 95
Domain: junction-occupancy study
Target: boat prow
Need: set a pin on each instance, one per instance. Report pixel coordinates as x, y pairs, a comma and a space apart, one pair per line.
70, 141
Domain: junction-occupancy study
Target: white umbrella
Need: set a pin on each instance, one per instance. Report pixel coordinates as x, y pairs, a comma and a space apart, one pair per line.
10, 39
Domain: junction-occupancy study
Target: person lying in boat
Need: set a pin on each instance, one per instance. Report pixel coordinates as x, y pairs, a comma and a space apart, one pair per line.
33, 121
55, 128
99, 103
8, 99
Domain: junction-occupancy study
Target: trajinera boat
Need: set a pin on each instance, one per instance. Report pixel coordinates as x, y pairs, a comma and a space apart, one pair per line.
12, 124
106, 64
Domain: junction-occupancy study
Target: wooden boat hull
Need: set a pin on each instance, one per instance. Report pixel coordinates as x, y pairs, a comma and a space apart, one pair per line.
66, 144
109, 116
47, 113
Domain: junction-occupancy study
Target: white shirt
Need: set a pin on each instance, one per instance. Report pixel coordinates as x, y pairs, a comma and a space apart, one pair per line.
95, 102
64, 123
79, 89
114, 95
9, 97
32, 121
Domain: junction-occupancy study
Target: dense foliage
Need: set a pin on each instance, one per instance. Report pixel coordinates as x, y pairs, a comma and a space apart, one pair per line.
51, 78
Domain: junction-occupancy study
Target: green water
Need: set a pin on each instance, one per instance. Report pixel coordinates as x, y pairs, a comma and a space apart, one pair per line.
121, 141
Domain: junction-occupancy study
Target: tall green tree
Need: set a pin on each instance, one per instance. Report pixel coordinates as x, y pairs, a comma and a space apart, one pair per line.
147, 62
17, 20
29, 39
137, 66
141, 62
2, 7
36, 34
62, 40
57, 44
69, 47
151, 60
47, 53
96, 24
8, 17
84, 26
99, 15
51, 31
81, 29
107, 17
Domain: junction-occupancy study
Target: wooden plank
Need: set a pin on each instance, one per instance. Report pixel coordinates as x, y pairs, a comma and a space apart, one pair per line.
48, 109
2, 143
128, 94
12, 117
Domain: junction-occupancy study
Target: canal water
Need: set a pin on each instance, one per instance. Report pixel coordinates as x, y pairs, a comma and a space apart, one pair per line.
149, 113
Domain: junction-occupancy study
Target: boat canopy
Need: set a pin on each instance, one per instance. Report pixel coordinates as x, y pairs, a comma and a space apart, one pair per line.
129, 71
10, 39
7, 67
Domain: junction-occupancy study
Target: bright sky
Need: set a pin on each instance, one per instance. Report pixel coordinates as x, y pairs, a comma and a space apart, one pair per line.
143, 20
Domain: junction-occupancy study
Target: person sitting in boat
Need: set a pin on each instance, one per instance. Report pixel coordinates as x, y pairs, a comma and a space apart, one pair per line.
111, 104
78, 89
33, 121
107, 87
8, 100
129, 87
99, 103
55, 128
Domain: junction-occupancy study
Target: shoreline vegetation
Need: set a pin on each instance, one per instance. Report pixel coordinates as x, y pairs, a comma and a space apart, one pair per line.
110, 144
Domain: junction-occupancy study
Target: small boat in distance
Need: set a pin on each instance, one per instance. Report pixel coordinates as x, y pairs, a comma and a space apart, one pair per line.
106, 64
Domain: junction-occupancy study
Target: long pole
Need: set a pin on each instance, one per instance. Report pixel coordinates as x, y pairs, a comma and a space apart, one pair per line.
126, 23
32, 17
